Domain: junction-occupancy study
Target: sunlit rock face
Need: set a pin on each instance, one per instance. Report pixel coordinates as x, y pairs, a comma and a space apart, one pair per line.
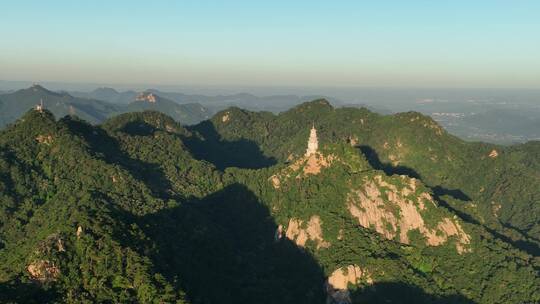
337, 283
43, 271
300, 232
148, 97
393, 212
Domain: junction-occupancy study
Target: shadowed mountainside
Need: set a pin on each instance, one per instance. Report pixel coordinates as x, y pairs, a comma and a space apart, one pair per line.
241, 153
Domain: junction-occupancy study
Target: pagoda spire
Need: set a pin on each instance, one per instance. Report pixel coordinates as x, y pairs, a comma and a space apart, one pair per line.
313, 142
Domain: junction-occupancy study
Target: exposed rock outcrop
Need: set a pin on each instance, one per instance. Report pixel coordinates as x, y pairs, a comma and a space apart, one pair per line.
399, 211
302, 167
148, 97
493, 154
43, 271
313, 164
300, 234
225, 117
275, 181
337, 283
317, 161
44, 139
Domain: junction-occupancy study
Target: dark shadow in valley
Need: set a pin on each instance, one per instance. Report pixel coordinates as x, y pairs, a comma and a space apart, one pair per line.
223, 249
17, 291
401, 293
439, 192
138, 128
107, 148
527, 246
375, 162
455, 193
241, 153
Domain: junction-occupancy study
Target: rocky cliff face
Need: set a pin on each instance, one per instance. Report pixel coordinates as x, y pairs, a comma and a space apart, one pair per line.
43, 271
300, 232
148, 97
337, 284
397, 207
395, 211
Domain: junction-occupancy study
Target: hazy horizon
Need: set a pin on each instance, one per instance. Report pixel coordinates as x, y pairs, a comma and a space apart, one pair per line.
346, 94
420, 44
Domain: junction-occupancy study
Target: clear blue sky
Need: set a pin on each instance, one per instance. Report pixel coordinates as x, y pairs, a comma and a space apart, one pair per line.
470, 43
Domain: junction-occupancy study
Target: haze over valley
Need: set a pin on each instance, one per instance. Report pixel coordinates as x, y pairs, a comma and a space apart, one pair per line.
502, 116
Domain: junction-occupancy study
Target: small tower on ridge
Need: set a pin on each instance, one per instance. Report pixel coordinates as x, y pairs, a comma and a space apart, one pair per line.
39, 106
313, 142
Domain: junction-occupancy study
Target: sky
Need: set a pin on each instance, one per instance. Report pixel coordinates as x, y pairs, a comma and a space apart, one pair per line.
443, 44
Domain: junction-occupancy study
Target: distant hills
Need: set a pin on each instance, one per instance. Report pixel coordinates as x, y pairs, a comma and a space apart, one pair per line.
502, 118
273, 103
188, 113
108, 94
93, 109
102, 103
13, 105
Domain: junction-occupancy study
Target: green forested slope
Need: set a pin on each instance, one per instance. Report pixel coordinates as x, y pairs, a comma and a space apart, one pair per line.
141, 209
504, 187
55, 183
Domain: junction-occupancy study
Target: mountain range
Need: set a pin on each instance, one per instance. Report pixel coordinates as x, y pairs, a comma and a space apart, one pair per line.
93, 110
272, 103
388, 209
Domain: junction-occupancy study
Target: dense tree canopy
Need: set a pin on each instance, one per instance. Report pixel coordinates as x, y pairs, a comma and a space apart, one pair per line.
141, 209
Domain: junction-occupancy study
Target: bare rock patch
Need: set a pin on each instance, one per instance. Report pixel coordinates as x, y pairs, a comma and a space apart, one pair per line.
396, 213
300, 233
337, 283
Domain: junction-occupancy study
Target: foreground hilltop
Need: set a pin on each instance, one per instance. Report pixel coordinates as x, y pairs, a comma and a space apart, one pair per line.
233, 210
497, 185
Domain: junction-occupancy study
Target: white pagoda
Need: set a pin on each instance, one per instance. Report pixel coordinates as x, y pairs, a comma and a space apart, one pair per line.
313, 142
39, 106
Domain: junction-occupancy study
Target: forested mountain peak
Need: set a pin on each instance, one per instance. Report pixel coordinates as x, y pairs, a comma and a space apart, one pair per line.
315, 105
105, 90
37, 91
38, 88
186, 113
138, 122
